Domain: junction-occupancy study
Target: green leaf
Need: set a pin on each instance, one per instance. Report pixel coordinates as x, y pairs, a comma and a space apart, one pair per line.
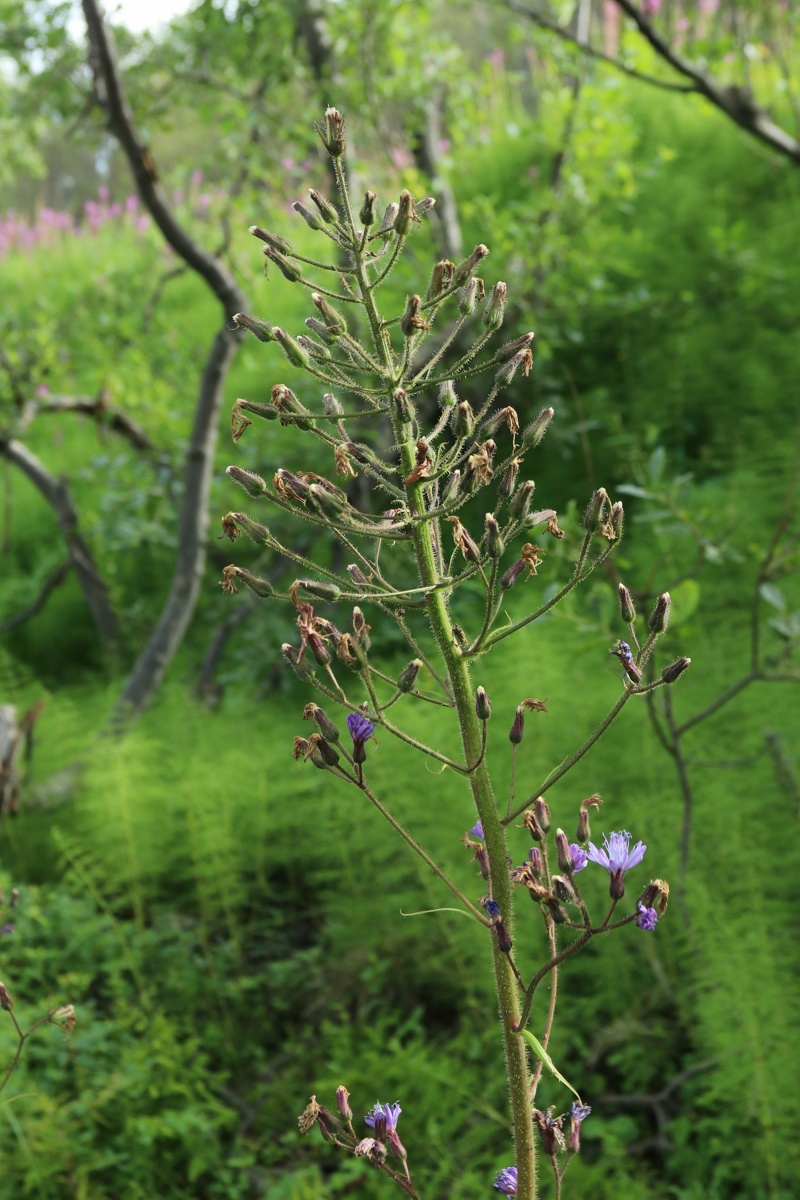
541, 1053
773, 596
685, 598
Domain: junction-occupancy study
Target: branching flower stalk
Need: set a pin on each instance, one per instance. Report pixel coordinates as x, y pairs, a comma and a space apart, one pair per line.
436, 465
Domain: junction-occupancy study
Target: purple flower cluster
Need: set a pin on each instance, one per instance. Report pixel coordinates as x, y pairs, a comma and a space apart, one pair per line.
617, 858
506, 1181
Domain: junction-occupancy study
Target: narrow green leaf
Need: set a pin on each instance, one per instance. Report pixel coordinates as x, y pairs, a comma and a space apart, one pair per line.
541, 1053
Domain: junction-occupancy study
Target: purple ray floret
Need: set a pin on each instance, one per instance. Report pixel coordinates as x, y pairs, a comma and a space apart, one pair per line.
506, 1181
390, 1113
360, 728
477, 830
617, 858
616, 854
579, 857
647, 918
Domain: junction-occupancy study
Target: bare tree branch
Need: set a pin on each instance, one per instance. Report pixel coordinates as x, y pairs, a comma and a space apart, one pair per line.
736, 102
57, 494
114, 418
566, 35
54, 580
193, 520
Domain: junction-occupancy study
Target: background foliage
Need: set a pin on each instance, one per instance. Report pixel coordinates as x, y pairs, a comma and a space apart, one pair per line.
227, 926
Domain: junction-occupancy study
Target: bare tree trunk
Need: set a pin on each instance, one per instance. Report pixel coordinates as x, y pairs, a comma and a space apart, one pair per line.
193, 522
192, 530
57, 494
444, 217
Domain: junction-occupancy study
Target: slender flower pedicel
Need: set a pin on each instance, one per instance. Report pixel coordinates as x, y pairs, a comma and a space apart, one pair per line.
450, 463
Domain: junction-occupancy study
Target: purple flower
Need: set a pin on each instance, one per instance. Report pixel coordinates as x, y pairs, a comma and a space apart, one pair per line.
360, 731
647, 918
492, 908
506, 1181
360, 728
383, 1117
617, 858
579, 857
577, 1115
477, 830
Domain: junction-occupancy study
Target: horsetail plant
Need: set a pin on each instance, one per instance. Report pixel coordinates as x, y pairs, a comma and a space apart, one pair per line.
438, 454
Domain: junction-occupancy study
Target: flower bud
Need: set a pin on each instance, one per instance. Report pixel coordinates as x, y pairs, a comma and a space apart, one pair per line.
311, 218
495, 307
253, 484
424, 205
509, 481
495, 546
326, 753
367, 213
530, 822
511, 348
326, 502
332, 134
361, 628
626, 605
313, 712
517, 726
296, 355
468, 296
520, 505
462, 421
389, 217
447, 394
292, 656
565, 862
290, 486
287, 268
321, 330
533, 433
617, 518
535, 860
324, 207
542, 813
332, 318
451, 488
659, 617
467, 268
656, 895
263, 330
412, 320
405, 210
483, 708
267, 412
408, 676
673, 672
342, 1096
259, 587
523, 358
556, 910
272, 239
594, 510
256, 532
441, 279
584, 831
356, 574
510, 577
290, 410
6, 1003
402, 405
324, 591
562, 886
65, 1017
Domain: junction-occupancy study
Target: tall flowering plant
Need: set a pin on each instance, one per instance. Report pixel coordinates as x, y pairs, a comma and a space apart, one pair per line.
437, 454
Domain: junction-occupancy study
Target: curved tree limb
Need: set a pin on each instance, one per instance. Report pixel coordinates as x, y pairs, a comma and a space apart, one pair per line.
57, 494
566, 35
736, 102
193, 519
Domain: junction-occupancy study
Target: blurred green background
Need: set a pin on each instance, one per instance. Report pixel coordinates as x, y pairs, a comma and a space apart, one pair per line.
229, 926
